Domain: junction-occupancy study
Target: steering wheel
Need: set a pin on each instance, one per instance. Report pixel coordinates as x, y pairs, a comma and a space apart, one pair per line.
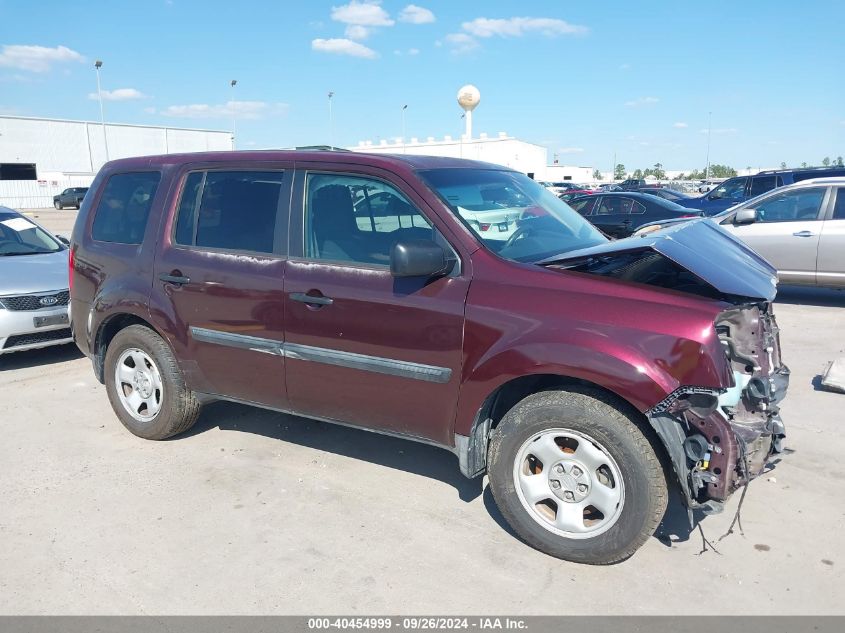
521, 232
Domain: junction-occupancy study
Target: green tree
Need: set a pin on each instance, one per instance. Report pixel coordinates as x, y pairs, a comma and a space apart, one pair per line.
839, 162
619, 172
804, 164
638, 174
783, 165
596, 174
658, 171
826, 161
722, 171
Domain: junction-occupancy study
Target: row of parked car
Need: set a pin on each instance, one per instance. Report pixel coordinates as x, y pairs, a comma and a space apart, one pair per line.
794, 218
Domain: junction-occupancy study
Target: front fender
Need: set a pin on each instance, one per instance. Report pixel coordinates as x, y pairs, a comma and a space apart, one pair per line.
642, 371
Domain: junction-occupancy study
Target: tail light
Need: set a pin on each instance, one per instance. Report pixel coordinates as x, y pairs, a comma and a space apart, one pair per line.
484, 226
70, 260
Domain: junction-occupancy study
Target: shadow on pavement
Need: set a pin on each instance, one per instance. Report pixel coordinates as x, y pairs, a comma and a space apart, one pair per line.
383, 450
803, 295
37, 357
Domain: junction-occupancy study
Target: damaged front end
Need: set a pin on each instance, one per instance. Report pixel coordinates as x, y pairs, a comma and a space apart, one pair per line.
718, 439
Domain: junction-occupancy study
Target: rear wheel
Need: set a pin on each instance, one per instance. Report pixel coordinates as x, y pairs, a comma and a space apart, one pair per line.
575, 477
145, 386
57, 204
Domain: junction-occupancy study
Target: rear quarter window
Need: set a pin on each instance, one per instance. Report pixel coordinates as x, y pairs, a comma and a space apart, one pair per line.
124, 207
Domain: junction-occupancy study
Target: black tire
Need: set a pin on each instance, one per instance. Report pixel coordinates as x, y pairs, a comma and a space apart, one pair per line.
179, 406
58, 205
594, 414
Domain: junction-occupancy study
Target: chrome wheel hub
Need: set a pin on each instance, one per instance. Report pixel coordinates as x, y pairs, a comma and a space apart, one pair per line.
569, 481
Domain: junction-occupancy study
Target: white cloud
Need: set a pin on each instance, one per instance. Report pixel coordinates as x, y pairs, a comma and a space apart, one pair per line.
571, 150
642, 101
680, 125
410, 51
365, 13
239, 109
340, 46
461, 42
150, 110
37, 59
413, 51
119, 94
357, 32
517, 27
416, 15
625, 67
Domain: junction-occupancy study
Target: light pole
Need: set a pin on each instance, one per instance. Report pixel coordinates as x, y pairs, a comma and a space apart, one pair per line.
404, 107
709, 129
233, 83
97, 65
331, 121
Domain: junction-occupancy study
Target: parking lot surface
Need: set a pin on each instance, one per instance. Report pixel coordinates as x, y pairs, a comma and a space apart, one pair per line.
257, 512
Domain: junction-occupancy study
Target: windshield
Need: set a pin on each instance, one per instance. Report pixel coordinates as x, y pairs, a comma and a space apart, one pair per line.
511, 214
19, 236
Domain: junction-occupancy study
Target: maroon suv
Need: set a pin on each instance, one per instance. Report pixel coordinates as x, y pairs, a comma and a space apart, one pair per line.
575, 371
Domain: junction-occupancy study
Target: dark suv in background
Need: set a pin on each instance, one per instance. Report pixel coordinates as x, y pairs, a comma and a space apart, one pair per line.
578, 373
741, 188
71, 197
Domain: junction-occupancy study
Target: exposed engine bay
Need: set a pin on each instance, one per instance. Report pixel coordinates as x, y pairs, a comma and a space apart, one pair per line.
719, 441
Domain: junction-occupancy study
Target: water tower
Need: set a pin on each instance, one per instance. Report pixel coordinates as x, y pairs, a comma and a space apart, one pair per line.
468, 99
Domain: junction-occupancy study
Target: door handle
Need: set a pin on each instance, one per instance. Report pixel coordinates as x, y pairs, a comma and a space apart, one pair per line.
174, 278
311, 299
804, 234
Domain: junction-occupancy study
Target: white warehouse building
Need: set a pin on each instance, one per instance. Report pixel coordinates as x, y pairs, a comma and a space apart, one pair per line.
502, 149
41, 157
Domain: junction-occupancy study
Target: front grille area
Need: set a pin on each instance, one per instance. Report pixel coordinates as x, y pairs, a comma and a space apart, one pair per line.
20, 340
33, 302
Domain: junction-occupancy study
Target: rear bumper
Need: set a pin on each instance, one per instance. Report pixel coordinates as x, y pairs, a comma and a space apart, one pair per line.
18, 332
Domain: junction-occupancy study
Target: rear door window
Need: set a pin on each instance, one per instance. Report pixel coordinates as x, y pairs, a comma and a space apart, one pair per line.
615, 205
839, 209
762, 184
229, 210
124, 207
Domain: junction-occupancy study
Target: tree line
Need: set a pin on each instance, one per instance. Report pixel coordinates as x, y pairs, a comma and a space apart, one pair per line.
716, 171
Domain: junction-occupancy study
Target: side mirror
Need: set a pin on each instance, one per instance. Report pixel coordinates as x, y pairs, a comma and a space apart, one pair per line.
745, 216
63, 240
419, 258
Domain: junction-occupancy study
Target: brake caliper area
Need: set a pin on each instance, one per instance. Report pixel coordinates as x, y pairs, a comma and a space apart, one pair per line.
720, 440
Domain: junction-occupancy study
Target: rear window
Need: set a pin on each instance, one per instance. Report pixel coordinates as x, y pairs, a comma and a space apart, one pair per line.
230, 210
124, 207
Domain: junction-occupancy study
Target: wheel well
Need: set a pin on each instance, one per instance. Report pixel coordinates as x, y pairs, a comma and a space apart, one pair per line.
472, 451
108, 330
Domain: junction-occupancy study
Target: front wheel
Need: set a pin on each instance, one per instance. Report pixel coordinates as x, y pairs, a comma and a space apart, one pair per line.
58, 205
576, 477
145, 386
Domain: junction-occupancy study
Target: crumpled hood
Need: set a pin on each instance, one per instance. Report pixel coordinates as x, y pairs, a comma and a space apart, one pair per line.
699, 246
25, 274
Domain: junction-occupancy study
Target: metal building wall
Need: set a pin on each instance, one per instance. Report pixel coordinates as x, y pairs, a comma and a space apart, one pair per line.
78, 147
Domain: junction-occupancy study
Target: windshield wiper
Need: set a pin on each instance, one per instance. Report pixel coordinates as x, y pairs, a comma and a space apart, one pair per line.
30, 253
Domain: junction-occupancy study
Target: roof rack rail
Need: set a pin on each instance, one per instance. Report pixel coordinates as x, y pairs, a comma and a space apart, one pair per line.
321, 148
780, 171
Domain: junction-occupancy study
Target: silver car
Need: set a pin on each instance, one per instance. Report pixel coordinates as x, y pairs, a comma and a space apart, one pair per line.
33, 285
799, 228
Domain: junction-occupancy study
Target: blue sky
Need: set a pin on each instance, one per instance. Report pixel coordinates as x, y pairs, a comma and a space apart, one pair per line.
586, 79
